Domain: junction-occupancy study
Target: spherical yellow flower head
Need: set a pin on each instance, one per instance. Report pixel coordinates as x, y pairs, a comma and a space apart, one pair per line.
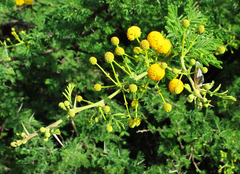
200, 29
93, 60
137, 121
79, 98
137, 50
97, 87
28, 2
133, 88
167, 107
164, 47
119, 51
185, 23
9, 59
109, 128
20, 2
175, 86
144, 44
155, 39
115, 40
156, 72
106, 109
134, 104
131, 123
109, 57
221, 50
133, 33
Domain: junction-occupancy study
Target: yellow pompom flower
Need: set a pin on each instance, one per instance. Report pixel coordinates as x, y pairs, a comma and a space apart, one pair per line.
19, 2
137, 50
156, 72
115, 40
144, 44
185, 23
167, 107
155, 39
119, 51
175, 86
131, 123
28, 2
93, 60
134, 104
164, 47
133, 33
97, 87
106, 109
133, 88
221, 50
109, 57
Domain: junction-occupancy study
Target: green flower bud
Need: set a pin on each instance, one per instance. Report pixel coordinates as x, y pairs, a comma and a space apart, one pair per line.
133, 88
137, 50
167, 107
97, 87
205, 100
45, 139
207, 86
47, 134
187, 87
185, 23
200, 29
109, 128
23, 135
61, 105
164, 65
93, 60
144, 44
67, 103
192, 62
106, 109
204, 70
42, 129
190, 98
196, 92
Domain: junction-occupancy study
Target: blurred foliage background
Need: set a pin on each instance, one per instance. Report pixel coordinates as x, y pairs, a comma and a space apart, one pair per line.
60, 37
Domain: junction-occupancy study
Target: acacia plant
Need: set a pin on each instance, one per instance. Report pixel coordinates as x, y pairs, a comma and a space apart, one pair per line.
174, 61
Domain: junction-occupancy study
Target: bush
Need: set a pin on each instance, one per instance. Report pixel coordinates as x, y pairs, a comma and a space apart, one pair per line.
46, 46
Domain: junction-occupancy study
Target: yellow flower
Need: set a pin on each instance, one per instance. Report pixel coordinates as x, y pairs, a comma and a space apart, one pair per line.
28, 2
156, 72
133, 88
133, 33
155, 39
115, 40
137, 50
93, 60
97, 87
164, 47
106, 109
167, 107
175, 86
109, 128
144, 44
20, 2
119, 51
109, 57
